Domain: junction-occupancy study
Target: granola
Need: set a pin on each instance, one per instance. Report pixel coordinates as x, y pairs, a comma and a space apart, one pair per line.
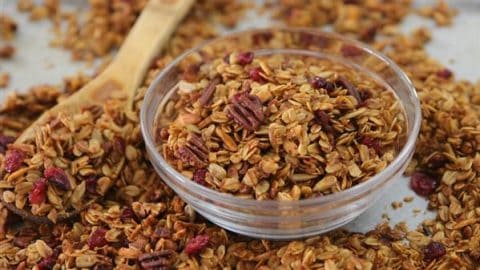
156, 229
301, 127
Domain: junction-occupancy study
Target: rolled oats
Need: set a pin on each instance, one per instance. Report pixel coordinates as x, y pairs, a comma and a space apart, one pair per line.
160, 224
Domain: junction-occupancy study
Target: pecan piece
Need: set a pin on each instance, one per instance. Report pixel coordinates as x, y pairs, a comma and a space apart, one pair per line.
163, 259
246, 110
194, 152
208, 92
352, 90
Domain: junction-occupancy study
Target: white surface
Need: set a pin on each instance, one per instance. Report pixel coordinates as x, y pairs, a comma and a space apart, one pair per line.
36, 63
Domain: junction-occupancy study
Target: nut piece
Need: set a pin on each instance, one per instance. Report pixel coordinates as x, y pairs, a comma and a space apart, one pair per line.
158, 260
246, 110
194, 152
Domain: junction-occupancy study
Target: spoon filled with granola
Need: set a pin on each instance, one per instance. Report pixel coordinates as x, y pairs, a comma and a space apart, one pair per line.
73, 153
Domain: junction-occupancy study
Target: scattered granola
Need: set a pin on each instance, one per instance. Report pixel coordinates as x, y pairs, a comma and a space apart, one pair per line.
304, 131
440, 12
8, 27
162, 224
6, 51
4, 79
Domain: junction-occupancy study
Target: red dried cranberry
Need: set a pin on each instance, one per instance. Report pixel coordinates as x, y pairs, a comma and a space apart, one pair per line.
57, 177
261, 37
369, 33
199, 176
372, 143
444, 73
97, 238
119, 145
47, 263
38, 192
434, 250
197, 244
91, 184
245, 58
324, 120
14, 160
319, 82
351, 51
422, 183
127, 214
4, 141
437, 161
254, 74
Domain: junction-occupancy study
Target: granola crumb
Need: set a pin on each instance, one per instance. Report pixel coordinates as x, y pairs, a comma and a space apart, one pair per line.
4, 79
6, 51
408, 199
396, 205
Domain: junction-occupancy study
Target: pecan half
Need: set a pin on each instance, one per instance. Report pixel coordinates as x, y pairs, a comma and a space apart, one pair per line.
194, 152
246, 110
163, 259
208, 92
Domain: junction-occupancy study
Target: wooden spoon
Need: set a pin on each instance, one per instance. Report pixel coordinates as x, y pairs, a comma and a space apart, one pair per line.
121, 78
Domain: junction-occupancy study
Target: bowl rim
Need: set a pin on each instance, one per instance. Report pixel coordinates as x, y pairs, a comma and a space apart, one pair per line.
229, 199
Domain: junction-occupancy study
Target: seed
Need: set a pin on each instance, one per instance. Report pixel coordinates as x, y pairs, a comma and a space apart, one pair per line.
434, 250
197, 244
38, 192
57, 177
245, 58
14, 160
423, 184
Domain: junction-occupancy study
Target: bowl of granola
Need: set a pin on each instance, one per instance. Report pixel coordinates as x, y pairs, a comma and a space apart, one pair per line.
280, 133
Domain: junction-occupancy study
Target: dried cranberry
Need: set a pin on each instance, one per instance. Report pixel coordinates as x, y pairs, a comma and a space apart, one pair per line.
97, 238
324, 120
197, 244
319, 82
57, 177
14, 160
199, 176
261, 37
351, 51
437, 161
255, 75
119, 145
38, 192
4, 141
369, 33
434, 250
422, 183
352, 90
444, 73
372, 143
245, 58
47, 263
91, 184
127, 214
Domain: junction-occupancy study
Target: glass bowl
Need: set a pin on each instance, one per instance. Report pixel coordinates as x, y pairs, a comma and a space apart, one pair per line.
280, 219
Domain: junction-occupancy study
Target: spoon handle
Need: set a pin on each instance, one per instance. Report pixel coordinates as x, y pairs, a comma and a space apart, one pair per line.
144, 42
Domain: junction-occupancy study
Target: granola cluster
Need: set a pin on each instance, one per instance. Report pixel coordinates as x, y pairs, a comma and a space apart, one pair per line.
160, 231
283, 127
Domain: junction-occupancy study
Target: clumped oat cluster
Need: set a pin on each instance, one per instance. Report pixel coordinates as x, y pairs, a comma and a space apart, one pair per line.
283, 127
157, 230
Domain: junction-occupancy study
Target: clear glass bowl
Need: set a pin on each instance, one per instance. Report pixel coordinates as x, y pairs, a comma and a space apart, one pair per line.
280, 219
